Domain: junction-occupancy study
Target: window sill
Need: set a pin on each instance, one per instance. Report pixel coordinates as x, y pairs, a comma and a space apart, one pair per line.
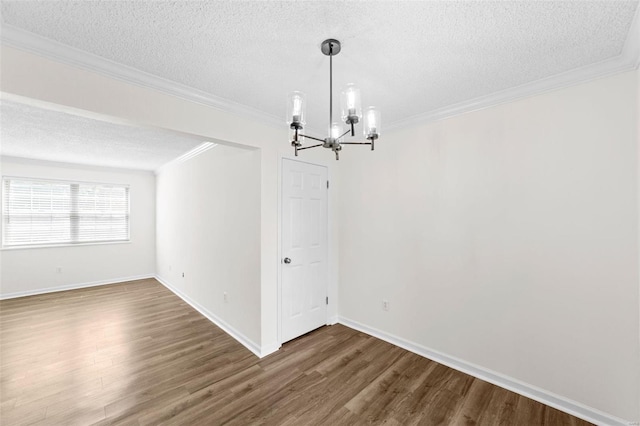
44, 246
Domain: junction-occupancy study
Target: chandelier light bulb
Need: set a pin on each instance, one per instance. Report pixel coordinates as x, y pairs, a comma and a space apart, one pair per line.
372, 123
371, 117
296, 110
350, 100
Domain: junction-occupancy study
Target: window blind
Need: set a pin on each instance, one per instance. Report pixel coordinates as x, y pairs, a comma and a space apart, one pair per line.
41, 212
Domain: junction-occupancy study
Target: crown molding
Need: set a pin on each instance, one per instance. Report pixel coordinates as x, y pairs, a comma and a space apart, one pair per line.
559, 81
627, 60
24, 40
79, 166
200, 149
632, 46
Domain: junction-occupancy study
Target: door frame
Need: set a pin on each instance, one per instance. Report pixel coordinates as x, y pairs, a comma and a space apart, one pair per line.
325, 164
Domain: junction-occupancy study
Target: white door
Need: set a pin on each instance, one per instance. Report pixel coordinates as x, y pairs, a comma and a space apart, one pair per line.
304, 248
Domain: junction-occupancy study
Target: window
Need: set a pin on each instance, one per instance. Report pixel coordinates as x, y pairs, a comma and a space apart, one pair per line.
44, 212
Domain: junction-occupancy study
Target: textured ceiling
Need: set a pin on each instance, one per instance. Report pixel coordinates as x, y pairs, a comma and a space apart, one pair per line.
31, 132
408, 58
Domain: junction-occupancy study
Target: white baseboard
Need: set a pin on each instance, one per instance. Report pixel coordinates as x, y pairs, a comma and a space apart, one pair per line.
241, 338
333, 320
556, 401
269, 349
74, 286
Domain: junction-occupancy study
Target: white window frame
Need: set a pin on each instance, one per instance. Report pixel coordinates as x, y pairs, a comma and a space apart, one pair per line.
71, 218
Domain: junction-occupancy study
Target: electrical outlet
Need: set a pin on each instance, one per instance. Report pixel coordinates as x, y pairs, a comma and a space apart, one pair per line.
59, 269
385, 305
226, 297
183, 275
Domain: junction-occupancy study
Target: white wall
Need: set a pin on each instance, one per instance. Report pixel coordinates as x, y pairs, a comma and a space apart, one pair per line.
35, 77
508, 238
208, 226
34, 270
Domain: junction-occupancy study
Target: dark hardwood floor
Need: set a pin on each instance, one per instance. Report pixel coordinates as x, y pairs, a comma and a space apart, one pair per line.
136, 354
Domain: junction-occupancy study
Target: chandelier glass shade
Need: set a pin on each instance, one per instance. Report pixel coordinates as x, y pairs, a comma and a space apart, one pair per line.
351, 114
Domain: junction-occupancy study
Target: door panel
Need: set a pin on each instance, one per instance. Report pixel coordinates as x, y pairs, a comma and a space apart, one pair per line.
304, 242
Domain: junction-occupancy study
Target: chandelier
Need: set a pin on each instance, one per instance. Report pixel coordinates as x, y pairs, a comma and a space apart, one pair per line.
351, 113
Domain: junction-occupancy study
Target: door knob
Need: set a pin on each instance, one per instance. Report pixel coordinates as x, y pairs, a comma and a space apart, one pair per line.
287, 260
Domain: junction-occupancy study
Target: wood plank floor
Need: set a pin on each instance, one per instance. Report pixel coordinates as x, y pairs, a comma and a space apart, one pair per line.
136, 354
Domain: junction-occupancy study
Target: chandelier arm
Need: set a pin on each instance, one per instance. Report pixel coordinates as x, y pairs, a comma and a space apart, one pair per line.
309, 147
355, 143
311, 137
348, 131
